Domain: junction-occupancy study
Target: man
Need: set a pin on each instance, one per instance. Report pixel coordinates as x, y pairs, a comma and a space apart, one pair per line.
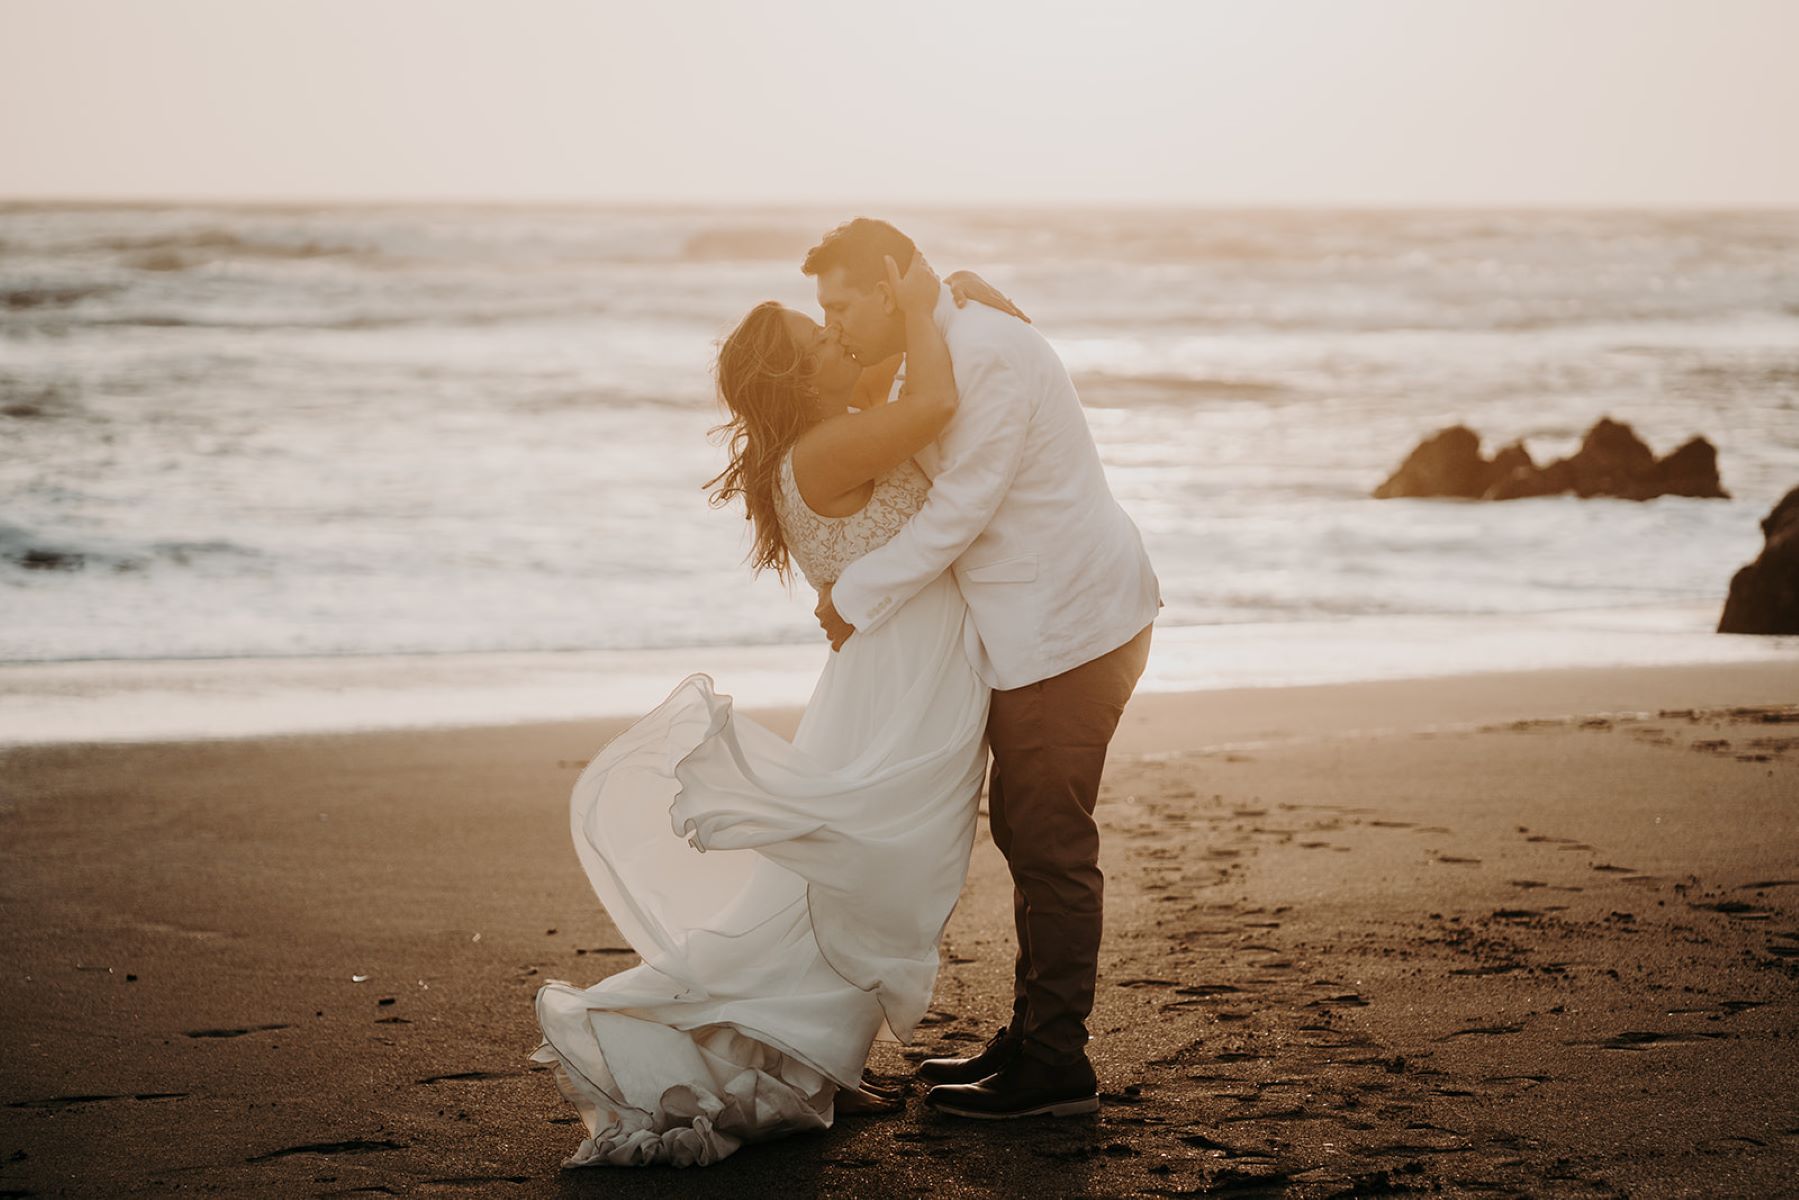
1061, 597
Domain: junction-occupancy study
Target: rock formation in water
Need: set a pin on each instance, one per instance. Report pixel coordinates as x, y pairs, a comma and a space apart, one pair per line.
1764, 595
1612, 461
1449, 463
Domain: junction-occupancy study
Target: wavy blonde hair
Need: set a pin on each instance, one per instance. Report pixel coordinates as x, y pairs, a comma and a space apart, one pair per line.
765, 382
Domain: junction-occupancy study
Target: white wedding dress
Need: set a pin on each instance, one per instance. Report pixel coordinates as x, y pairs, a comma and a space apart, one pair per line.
786, 898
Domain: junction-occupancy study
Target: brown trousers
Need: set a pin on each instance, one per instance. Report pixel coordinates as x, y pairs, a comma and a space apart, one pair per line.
1049, 744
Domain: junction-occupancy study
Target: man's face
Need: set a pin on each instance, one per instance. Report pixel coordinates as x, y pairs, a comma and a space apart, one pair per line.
870, 330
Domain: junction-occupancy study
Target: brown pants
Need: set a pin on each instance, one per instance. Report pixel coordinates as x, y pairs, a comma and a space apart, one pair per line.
1049, 746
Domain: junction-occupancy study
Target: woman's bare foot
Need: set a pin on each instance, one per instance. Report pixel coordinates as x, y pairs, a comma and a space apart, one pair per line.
856, 1102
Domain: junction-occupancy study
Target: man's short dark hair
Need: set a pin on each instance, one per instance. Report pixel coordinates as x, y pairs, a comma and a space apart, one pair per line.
858, 246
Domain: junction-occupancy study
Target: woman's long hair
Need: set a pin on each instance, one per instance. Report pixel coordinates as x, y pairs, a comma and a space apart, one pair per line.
766, 383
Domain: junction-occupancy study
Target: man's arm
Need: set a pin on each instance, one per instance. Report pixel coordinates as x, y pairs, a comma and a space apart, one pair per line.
981, 452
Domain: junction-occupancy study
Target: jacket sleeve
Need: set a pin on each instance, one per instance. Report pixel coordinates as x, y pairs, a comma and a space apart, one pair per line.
980, 453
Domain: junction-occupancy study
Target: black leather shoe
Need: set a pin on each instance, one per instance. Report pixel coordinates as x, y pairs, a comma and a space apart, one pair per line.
1025, 1087
1000, 1051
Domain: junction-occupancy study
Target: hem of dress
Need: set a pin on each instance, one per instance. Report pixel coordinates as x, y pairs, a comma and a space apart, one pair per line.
647, 1147
750, 1032
719, 715
715, 1144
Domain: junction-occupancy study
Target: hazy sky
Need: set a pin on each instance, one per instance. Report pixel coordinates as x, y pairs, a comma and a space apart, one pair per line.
1149, 101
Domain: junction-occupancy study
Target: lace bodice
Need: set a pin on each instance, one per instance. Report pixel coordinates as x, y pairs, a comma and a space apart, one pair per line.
824, 546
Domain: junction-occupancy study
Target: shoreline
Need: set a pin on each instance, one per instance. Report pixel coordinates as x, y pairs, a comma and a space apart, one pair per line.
1214, 720
169, 700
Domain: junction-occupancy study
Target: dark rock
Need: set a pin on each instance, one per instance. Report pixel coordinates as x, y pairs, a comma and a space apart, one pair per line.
1448, 463
1691, 470
1512, 458
1522, 484
47, 297
1764, 596
1515, 474
1612, 461
39, 559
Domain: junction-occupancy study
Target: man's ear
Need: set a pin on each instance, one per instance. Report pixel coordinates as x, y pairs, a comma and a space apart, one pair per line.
889, 302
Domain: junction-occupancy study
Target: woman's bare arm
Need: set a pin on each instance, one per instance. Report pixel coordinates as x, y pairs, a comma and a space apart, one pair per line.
841, 455
875, 383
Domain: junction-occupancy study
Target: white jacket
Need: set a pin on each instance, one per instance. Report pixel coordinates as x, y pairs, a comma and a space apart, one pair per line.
1054, 572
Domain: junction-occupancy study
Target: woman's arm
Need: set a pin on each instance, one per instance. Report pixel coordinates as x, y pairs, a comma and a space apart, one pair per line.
875, 383
841, 455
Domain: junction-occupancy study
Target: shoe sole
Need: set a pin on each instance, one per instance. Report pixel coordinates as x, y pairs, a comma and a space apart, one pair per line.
1061, 1108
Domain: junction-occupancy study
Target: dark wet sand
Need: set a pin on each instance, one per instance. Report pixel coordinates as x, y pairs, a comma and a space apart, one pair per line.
1465, 936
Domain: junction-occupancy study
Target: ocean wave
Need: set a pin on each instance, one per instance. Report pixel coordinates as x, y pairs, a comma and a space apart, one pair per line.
183, 553
183, 251
30, 552
24, 402
1107, 389
26, 550
408, 429
472, 317
756, 243
24, 296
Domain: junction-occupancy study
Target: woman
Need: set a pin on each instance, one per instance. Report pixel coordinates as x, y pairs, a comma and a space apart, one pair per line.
769, 970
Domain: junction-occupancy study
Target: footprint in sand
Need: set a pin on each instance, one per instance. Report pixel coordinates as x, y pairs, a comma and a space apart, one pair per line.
1640, 1039
56, 1103
1527, 1080
1491, 969
232, 1033
358, 1146
1483, 1031
1737, 908
467, 1077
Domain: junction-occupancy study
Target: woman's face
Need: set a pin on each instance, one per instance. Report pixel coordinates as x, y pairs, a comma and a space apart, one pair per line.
834, 372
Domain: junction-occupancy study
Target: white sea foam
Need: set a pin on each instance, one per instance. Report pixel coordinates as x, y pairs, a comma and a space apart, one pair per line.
159, 700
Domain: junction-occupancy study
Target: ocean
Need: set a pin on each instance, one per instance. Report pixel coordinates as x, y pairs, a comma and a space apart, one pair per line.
277, 447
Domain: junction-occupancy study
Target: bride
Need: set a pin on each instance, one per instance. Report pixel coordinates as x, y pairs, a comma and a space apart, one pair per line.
786, 898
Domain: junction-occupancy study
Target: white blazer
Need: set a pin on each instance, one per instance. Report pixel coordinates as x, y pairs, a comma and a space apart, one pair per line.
1054, 572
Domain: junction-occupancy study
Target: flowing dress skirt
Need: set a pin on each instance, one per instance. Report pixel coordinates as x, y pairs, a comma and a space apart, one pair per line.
786, 898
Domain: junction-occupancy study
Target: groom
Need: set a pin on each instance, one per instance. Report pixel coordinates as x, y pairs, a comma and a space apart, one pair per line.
1060, 596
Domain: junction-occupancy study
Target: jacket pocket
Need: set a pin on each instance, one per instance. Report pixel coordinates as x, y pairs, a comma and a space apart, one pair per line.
1020, 569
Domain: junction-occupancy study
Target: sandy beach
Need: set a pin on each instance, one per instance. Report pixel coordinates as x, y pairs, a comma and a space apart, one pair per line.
1530, 934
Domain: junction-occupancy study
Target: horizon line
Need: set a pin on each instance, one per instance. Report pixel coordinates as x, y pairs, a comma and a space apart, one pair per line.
144, 200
